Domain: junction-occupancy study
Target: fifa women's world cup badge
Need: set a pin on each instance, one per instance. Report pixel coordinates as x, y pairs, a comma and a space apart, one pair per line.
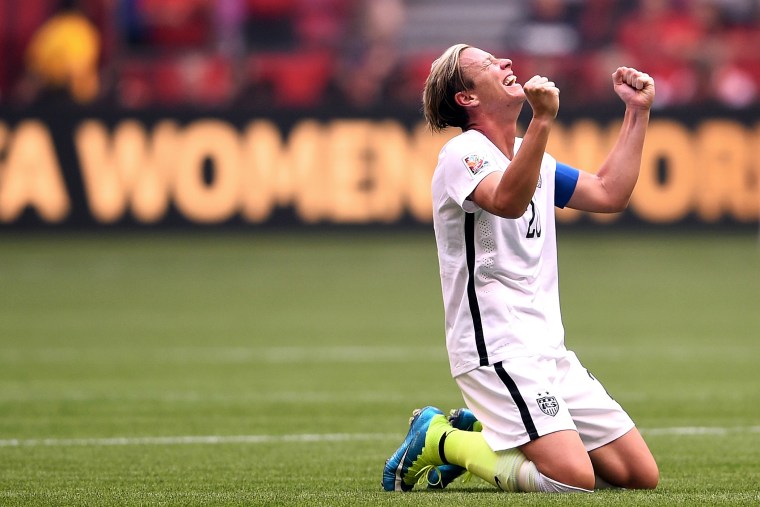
474, 163
548, 405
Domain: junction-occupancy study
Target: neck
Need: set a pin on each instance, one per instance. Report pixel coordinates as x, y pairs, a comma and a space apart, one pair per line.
501, 135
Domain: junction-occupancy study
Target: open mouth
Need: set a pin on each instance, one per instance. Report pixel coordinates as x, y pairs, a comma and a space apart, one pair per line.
510, 80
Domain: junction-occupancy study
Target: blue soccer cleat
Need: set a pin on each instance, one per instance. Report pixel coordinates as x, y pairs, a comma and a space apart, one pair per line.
418, 453
464, 419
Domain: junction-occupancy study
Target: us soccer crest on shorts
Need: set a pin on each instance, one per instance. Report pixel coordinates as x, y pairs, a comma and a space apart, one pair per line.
548, 404
474, 163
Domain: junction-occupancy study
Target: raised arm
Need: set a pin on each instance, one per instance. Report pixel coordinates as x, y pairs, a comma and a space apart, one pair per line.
610, 189
508, 194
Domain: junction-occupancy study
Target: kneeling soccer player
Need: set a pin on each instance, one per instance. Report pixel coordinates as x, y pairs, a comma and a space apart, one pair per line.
547, 424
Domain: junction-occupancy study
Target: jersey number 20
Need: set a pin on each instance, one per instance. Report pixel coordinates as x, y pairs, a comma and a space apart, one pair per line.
534, 226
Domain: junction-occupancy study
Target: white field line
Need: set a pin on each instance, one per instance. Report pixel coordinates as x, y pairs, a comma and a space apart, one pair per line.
699, 430
208, 439
309, 437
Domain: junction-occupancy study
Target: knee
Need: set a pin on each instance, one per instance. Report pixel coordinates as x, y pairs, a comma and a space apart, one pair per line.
644, 478
583, 479
640, 477
576, 476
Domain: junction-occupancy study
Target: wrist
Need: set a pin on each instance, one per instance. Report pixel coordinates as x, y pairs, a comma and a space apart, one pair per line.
636, 115
545, 119
638, 110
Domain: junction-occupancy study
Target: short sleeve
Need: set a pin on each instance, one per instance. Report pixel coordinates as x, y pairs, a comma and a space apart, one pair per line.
565, 180
464, 170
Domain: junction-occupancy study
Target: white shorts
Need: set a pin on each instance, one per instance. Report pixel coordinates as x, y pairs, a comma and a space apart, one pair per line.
521, 399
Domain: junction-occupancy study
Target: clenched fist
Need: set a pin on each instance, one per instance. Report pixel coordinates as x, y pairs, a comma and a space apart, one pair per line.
635, 88
543, 96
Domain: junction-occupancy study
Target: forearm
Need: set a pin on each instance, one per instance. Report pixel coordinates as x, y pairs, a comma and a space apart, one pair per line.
518, 183
620, 171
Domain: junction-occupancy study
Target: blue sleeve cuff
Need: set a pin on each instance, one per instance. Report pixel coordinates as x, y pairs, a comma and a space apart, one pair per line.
565, 180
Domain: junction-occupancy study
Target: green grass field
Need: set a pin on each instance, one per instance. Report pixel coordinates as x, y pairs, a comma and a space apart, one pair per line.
265, 368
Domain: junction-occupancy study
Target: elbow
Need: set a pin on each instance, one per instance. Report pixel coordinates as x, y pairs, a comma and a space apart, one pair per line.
510, 210
618, 205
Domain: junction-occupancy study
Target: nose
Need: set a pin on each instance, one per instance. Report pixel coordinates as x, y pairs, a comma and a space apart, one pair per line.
506, 63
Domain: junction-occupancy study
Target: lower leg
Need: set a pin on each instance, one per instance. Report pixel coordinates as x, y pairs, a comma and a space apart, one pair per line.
508, 470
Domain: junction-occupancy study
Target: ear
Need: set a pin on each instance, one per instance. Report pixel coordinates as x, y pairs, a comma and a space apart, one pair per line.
466, 98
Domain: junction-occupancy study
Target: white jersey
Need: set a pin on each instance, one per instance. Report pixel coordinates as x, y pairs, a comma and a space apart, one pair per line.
498, 276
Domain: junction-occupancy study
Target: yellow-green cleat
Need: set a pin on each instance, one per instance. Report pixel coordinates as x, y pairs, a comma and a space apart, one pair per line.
418, 453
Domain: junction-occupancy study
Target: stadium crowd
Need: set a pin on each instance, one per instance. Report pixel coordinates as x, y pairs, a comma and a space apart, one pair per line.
363, 54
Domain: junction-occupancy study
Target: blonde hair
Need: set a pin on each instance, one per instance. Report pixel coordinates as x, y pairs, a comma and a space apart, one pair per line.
442, 84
